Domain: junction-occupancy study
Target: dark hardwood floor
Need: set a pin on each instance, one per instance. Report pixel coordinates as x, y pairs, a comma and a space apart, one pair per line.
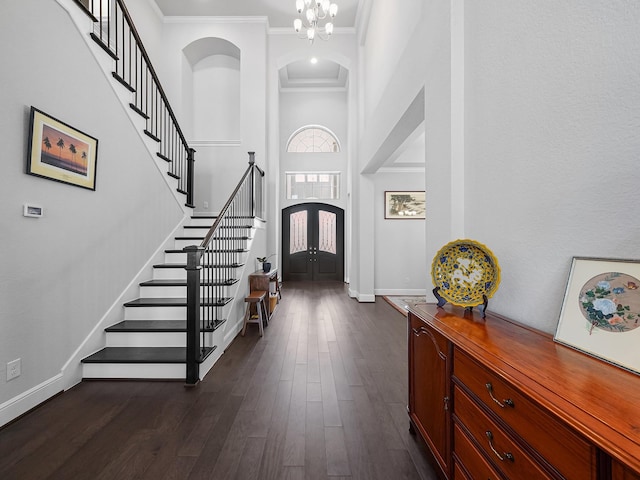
321, 395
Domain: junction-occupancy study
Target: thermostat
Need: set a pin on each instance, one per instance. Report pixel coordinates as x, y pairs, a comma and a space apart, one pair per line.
32, 210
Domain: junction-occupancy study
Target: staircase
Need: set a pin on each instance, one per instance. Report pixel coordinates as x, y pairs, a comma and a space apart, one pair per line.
150, 342
174, 328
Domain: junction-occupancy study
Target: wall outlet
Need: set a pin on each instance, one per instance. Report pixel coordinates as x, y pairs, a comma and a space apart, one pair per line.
13, 369
205, 205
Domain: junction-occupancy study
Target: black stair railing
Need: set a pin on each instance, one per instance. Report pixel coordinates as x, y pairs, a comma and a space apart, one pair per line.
212, 266
115, 32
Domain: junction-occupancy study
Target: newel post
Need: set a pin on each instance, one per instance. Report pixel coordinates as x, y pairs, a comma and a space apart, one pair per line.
190, 173
252, 162
194, 254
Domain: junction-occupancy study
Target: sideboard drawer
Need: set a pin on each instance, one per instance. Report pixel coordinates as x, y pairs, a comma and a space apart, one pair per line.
506, 454
573, 457
472, 461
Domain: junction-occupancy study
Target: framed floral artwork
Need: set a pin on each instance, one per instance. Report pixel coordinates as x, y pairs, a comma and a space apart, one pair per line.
600, 313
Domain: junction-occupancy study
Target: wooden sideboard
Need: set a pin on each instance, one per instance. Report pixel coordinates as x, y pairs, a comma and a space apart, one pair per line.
494, 399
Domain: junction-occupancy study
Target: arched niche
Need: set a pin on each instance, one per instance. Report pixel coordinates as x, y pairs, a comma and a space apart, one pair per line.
214, 89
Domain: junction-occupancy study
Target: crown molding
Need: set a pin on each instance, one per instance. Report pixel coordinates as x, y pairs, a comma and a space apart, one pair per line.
291, 31
262, 20
214, 143
312, 89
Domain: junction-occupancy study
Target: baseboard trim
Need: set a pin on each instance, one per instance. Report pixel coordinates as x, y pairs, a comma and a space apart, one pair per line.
366, 298
411, 292
26, 401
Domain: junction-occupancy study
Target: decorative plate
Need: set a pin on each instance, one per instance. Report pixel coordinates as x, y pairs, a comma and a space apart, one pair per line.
464, 271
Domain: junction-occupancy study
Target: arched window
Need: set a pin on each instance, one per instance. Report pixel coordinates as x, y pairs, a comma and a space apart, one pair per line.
313, 138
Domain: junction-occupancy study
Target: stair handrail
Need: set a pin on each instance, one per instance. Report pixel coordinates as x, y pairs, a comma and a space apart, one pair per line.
214, 266
158, 131
224, 209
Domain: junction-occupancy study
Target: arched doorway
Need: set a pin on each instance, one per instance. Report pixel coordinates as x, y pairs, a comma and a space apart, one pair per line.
313, 242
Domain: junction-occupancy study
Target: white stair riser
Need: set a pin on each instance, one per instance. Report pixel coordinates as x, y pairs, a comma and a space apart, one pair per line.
177, 292
204, 222
146, 339
155, 313
202, 231
177, 273
162, 313
134, 370
179, 244
174, 257
199, 231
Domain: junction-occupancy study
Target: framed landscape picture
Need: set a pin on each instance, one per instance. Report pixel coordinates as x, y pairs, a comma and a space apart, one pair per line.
60, 152
404, 205
601, 310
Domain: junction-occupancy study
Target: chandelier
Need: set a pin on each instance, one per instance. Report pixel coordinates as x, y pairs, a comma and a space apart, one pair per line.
312, 13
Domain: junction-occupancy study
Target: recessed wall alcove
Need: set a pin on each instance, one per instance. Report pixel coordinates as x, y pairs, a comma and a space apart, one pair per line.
211, 88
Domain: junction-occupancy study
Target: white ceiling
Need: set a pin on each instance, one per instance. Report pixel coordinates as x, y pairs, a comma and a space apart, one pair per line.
320, 75
280, 13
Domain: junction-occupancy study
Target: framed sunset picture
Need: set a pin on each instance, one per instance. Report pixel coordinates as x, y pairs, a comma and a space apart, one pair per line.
59, 152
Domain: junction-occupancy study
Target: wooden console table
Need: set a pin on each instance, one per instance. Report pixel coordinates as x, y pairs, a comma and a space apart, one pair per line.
494, 399
260, 280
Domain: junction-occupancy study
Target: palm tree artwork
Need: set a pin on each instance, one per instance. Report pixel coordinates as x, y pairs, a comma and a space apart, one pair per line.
72, 149
47, 143
73, 152
60, 144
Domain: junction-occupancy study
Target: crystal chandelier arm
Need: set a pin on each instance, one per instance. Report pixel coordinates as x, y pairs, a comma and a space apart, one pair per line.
310, 13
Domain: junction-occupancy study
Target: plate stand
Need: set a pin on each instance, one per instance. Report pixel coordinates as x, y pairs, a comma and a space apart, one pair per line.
442, 302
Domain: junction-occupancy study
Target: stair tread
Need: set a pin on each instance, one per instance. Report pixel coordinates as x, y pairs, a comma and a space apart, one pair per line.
196, 217
172, 302
138, 355
198, 227
148, 326
157, 326
142, 355
201, 237
217, 250
183, 283
184, 265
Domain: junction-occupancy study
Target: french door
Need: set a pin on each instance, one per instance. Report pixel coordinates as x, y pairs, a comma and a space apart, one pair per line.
313, 242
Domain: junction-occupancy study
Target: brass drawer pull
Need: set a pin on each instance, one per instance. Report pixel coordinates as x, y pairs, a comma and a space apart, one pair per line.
504, 456
507, 402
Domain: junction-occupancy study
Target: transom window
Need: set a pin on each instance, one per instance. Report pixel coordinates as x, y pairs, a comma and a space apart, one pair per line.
313, 139
312, 185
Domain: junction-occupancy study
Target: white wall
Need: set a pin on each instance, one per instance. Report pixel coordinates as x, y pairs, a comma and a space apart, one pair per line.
388, 34
552, 142
216, 88
147, 18
251, 38
531, 129
394, 77
399, 244
61, 273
